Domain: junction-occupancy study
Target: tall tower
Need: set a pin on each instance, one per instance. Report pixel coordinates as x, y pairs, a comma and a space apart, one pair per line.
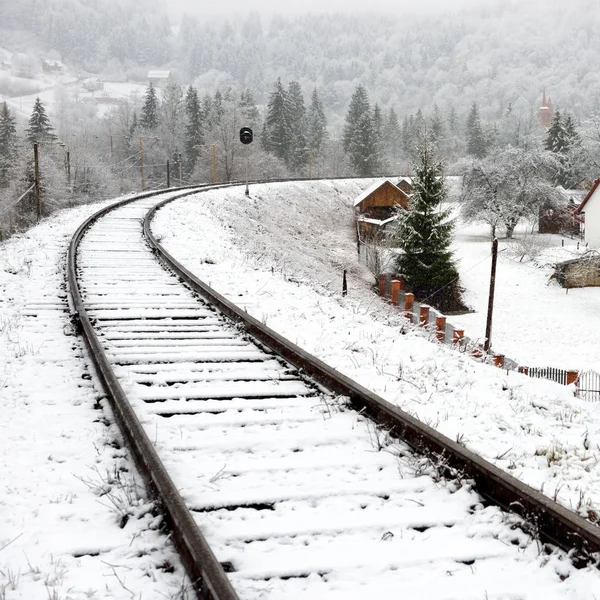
546, 111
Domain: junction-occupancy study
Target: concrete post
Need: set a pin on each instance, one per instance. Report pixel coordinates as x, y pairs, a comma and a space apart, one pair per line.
382, 285
409, 300
396, 287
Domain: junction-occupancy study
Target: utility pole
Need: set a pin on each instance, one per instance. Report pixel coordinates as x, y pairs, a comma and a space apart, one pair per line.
488, 329
180, 170
214, 152
36, 176
69, 168
168, 175
142, 164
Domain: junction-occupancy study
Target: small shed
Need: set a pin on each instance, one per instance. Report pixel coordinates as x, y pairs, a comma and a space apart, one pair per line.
52, 66
583, 271
590, 210
376, 207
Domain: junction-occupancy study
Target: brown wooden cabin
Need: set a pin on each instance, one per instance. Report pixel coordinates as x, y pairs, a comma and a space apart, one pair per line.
376, 207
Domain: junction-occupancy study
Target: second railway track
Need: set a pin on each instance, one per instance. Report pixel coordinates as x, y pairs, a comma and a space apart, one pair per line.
296, 494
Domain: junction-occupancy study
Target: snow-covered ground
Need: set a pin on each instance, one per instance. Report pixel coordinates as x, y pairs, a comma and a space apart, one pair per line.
75, 522
280, 254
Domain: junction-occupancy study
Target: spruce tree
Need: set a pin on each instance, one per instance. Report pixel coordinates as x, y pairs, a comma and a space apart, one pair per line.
8, 139
392, 136
149, 117
556, 138
277, 131
39, 128
476, 142
250, 113
358, 138
194, 134
425, 234
378, 160
563, 140
316, 124
296, 112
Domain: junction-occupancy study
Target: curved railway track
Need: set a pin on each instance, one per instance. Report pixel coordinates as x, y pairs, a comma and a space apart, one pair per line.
271, 486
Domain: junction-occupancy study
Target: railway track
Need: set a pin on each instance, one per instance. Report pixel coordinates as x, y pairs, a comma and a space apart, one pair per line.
273, 475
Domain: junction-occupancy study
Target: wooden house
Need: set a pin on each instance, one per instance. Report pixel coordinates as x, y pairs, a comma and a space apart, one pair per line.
558, 215
590, 210
377, 206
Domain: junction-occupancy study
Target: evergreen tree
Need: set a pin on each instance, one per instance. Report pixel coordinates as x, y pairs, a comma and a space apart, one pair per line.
436, 127
39, 128
149, 118
425, 234
563, 140
276, 137
556, 138
378, 160
392, 137
316, 124
296, 112
250, 113
194, 134
476, 142
8, 139
358, 138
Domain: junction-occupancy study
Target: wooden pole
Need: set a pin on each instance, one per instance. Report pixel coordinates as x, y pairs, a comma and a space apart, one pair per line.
344, 285
488, 329
69, 168
168, 175
142, 164
180, 169
36, 176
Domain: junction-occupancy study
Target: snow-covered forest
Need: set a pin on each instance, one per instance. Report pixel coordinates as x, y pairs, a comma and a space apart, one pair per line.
326, 95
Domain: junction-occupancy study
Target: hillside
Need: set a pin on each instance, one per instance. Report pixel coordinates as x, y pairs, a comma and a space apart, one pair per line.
499, 55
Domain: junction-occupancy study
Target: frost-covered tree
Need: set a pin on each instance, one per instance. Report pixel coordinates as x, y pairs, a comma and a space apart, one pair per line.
194, 133
277, 131
392, 138
424, 236
564, 141
358, 135
39, 128
150, 110
507, 186
8, 139
476, 142
296, 111
316, 124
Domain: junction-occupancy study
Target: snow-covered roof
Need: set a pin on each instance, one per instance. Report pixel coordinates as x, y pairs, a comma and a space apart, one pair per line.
159, 74
372, 188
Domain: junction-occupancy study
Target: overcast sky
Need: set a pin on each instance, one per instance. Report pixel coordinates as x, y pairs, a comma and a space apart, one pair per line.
177, 7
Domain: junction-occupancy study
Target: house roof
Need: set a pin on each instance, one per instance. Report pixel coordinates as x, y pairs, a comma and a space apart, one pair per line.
589, 195
372, 188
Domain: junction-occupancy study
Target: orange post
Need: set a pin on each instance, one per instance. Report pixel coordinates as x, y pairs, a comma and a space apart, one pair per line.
382, 285
396, 287
499, 360
572, 377
458, 335
409, 300
424, 315
440, 326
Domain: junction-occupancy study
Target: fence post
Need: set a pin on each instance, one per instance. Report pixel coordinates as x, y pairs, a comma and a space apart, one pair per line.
409, 300
499, 360
382, 285
424, 315
524, 370
440, 326
396, 287
572, 377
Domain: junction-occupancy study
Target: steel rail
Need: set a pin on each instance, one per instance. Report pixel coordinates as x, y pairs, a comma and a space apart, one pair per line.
546, 518
204, 570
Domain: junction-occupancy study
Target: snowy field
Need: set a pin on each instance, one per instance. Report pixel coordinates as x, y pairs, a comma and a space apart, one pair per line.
67, 486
